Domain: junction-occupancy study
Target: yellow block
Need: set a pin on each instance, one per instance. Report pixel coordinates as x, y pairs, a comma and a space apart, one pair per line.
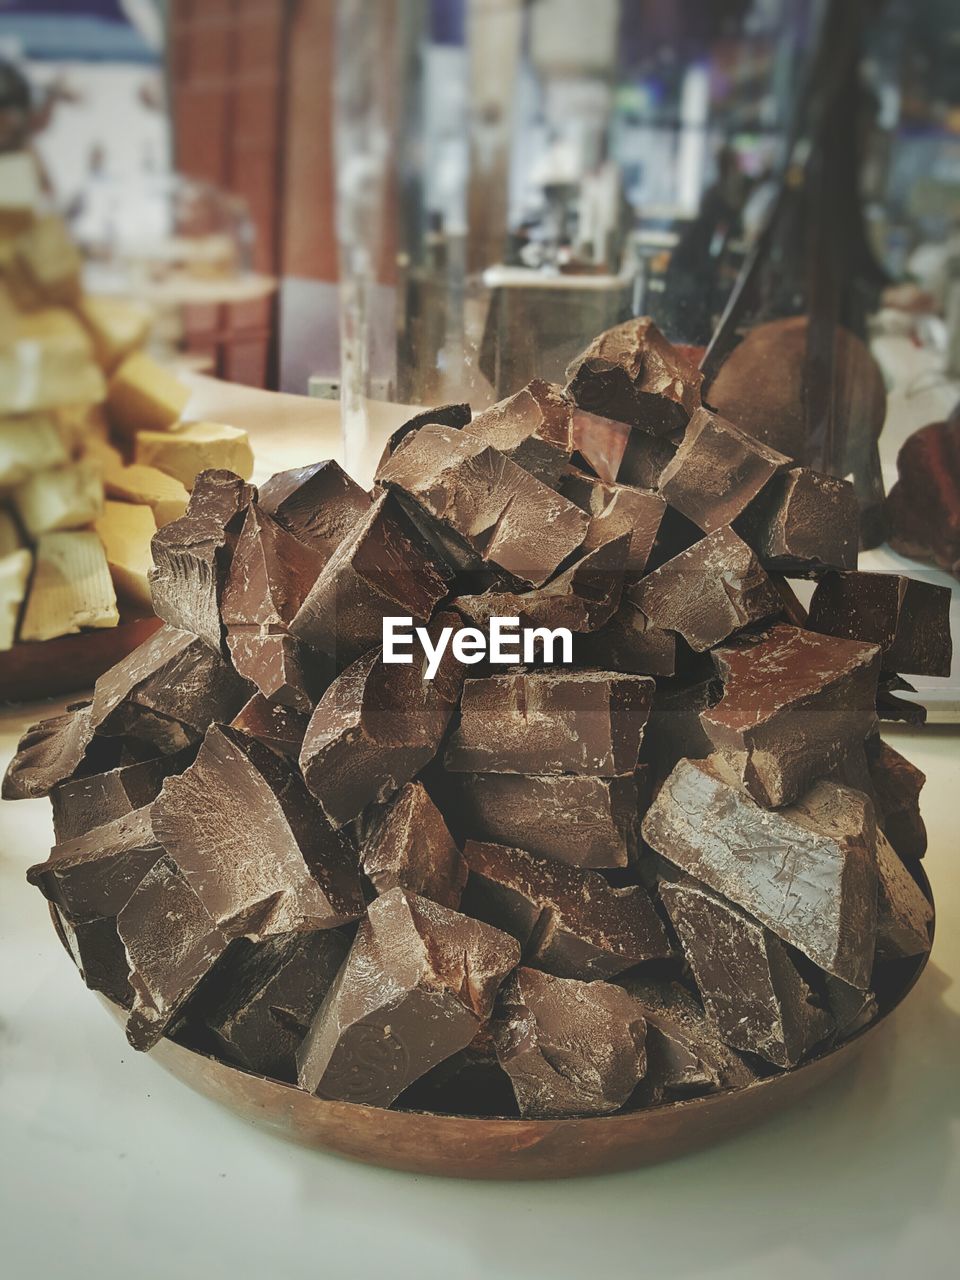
63, 498
193, 447
14, 575
117, 327
144, 396
49, 261
166, 497
71, 587
126, 531
47, 371
19, 191
30, 442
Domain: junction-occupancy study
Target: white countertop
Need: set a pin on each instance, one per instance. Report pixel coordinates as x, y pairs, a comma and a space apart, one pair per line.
110, 1167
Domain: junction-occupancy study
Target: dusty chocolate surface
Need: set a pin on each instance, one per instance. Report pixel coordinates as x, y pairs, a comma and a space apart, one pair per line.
803, 523
319, 504
411, 848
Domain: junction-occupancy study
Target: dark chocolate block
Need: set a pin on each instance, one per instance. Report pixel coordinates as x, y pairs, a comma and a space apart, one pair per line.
794, 704
892, 707
319, 504
674, 731
628, 643
707, 592
583, 722
252, 842
98, 953
897, 785
446, 415
749, 985
419, 982
685, 1054
923, 508
570, 1048
803, 523
89, 801
276, 726
380, 570
717, 471
260, 999
280, 668
491, 512
191, 556
615, 509
376, 727
584, 821
411, 848
600, 443
904, 915
569, 922
633, 374
908, 619
533, 428
807, 872
49, 753
645, 457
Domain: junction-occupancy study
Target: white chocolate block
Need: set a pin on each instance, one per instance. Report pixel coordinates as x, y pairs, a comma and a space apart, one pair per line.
126, 531
193, 447
144, 396
14, 575
49, 261
50, 364
117, 327
28, 443
166, 497
71, 587
65, 498
19, 190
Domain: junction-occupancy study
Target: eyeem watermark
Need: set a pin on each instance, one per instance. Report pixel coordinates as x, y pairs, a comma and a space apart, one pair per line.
505, 643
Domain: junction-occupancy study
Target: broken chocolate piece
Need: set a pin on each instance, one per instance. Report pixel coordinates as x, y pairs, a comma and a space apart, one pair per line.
569, 922
904, 914
601, 444
708, 591
749, 985
260, 999
717, 471
633, 374
892, 707
808, 872
171, 943
803, 523
253, 843
583, 722
897, 785
495, 513
533, 428
674, 731
923, 507
277, 727
98, 953
628, 643
319, 504
191, 556
412, 848
615, 509
685, 1054
280, 668
570, 1048
446, 415
417, 985
380, 570
794, 704
644, 459
83, 803
908, 619
583, 821
48, 753
376, 726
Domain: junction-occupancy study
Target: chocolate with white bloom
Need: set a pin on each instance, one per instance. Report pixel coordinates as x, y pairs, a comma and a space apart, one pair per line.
803, 523
410, 847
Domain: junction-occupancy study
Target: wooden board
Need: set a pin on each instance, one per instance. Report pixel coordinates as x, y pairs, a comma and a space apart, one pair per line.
69, 664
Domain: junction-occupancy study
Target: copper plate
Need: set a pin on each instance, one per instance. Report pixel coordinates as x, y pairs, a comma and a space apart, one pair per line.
471, 1147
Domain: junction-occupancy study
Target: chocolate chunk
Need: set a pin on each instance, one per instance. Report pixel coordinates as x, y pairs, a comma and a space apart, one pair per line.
319, 504
717, 471
92, 800
280, 668
533, 428
584, 722
685, 1054
252, 842
897, 785
570, 1048
260, 999
615, 509
749, 985
808, 872
674, 731
98, 953
904, 915
492, 512
446, 415
94, 874
192, 555
470, 1082
600, 443
376, 727
632, 373
582, 598
277, 727
569, 922
49, 753
851, 1008
380, 570
644, 459
923, 508
794, 704
584, 821
628, 643
908, 619
707, 592
417, 985
171, 943
803, 523
412, 848
892, 707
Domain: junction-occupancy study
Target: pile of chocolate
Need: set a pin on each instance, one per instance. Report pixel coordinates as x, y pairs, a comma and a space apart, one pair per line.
679, 863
